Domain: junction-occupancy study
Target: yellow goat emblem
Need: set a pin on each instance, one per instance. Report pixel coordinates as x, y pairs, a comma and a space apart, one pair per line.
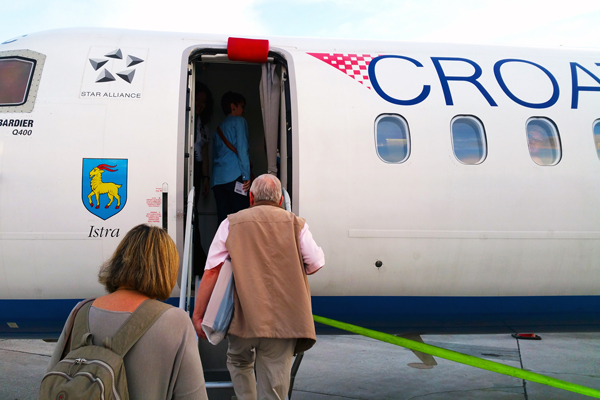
99, 187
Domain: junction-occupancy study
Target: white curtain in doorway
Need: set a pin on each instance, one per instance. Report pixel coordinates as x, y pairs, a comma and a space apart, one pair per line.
270, 95
283, 155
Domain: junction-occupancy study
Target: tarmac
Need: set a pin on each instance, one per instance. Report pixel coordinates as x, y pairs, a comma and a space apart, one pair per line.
354, 367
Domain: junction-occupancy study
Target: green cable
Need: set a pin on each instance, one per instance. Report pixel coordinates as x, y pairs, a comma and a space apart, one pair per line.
460, 358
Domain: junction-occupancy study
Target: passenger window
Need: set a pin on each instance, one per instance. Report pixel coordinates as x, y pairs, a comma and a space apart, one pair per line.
543, 141
597, 136
392, 138
468, 140
20, 75
15, 78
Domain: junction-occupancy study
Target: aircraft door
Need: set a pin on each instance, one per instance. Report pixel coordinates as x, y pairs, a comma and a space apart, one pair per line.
189, 137
188, 185
265, 88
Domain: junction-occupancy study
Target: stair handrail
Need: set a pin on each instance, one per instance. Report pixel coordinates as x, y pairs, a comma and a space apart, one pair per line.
186, 281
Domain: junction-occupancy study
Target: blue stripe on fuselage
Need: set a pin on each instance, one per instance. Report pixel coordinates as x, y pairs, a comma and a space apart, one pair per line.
44, 319
38, 319
456, 315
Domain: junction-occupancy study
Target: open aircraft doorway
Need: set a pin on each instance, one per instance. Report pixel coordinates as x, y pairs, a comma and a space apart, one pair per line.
266, 88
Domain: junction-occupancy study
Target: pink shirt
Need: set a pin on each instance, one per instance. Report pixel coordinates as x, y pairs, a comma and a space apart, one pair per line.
312, 255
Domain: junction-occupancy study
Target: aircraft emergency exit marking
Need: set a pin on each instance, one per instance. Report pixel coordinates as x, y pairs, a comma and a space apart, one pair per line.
153, 202
153, 216
362, 67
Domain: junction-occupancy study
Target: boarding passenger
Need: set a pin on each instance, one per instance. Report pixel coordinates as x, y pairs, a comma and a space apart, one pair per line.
231, 160
204, 107
164, 363
272, 252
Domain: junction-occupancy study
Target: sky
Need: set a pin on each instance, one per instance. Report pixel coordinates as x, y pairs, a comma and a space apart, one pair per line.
573, 23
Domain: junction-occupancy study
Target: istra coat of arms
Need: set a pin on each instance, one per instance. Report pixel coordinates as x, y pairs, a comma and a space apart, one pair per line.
104, 186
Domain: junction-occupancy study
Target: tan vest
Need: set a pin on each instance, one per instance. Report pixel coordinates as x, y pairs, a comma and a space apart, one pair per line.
272, 294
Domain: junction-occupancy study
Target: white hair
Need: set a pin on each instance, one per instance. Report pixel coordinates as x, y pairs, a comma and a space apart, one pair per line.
266, 188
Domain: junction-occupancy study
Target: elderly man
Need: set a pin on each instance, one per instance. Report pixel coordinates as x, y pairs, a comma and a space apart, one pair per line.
272, 252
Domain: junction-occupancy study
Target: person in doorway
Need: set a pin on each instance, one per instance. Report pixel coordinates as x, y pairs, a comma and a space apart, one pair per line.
272, 251
231, 160
204, 108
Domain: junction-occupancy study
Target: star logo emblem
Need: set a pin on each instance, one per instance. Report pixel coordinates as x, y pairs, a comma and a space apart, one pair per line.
106, 76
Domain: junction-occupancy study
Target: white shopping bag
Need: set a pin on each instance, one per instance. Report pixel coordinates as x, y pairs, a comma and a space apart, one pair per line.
220, 306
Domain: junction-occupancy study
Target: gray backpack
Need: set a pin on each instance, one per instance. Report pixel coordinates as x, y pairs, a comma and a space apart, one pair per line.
98, 372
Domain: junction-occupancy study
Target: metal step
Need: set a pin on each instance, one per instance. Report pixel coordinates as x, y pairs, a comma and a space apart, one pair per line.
216, 375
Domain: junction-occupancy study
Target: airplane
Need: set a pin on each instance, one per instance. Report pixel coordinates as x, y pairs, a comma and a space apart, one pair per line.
453, 188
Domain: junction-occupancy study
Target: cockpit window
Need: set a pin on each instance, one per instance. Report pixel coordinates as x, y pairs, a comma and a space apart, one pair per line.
15, 79
392, 138
468, 140
543, 141
20, 74
597, 136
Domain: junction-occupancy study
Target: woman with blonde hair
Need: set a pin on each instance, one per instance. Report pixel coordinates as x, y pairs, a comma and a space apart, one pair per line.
164, 363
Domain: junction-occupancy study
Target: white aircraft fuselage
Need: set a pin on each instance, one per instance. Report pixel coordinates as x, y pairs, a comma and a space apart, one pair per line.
461, 233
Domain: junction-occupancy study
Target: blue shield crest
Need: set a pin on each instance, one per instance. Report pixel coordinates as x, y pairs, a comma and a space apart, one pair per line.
104, 186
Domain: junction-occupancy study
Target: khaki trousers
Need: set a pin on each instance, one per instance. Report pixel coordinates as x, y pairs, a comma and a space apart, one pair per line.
273, 359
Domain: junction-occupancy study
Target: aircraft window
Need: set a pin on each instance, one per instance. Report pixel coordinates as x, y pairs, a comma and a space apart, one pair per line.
468, 140
20, 75
15, 77
392, 138
543, 141
597, 136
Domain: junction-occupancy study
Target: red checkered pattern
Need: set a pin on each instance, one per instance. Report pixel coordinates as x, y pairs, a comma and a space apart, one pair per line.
354, 65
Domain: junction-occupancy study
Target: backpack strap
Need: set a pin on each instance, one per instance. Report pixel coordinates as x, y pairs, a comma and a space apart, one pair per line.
136, 325
232, 148
80, 334
227, 142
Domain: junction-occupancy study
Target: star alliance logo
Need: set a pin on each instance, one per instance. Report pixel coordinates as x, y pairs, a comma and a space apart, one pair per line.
114, 73
106, 76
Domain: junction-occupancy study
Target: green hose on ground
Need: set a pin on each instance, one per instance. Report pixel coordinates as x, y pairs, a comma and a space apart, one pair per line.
460, 358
